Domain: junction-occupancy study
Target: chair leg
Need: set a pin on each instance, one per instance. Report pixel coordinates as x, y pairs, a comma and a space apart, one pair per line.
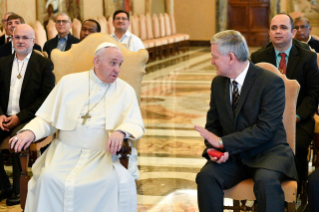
24, 179
236, 204
291, 206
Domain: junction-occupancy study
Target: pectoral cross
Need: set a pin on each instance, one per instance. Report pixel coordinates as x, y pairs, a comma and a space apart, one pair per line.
85, 117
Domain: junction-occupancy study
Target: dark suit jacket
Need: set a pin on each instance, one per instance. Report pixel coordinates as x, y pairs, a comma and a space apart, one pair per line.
37, 84
2, 40
256, 134
302, 66
53, 43
313, 43
6, 49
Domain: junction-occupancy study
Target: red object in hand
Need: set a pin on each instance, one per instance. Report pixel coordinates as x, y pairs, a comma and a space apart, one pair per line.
215, 153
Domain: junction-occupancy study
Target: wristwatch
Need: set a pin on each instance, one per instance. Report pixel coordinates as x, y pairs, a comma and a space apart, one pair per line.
220, 142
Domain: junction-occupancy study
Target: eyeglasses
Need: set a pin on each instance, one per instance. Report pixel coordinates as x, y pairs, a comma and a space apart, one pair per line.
121, 18
62, 21
24, 38
301, 27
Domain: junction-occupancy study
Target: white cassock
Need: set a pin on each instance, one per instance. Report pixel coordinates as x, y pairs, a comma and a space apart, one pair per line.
76, 173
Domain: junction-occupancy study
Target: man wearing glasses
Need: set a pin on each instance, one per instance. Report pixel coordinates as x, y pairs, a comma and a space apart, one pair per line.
26, 79
12, 22
121, 22
64, 39
6, 38
302, 25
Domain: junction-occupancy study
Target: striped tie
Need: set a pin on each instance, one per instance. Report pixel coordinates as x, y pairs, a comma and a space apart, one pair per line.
235, 96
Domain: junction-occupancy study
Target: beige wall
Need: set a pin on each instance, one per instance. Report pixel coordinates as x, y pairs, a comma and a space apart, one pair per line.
138, 6
26, 9
196, 18
92, 9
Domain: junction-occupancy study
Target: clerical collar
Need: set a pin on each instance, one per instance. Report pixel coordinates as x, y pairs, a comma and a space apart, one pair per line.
95, 79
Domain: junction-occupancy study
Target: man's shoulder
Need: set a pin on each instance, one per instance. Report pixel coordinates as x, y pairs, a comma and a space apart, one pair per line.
48, 42
73, 39
262, 51
304, 53
40, 58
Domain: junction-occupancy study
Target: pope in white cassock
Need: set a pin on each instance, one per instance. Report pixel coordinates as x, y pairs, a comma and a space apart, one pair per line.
94, 111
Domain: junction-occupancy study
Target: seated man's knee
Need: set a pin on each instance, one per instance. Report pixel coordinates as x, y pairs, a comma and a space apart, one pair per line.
266, 180
313, 180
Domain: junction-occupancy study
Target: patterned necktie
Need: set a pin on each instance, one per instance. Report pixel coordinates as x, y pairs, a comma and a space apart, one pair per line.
235, 96
282, 64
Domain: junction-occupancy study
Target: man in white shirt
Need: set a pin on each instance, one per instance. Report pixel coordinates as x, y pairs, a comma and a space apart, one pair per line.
26, 79
5, 38
121, 22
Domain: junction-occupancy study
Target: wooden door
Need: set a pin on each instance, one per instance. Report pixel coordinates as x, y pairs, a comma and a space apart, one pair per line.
251, 18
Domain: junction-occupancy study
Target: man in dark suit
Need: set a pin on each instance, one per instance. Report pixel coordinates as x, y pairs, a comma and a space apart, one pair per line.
302, 25
64, 39
245, 122
301, 65
12, 22
26, 79
5, 38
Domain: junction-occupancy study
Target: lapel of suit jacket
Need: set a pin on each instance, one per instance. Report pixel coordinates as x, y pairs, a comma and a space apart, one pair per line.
29, 71
246, 87
292, 62
227, 99
7, 75
69, 42
271, 56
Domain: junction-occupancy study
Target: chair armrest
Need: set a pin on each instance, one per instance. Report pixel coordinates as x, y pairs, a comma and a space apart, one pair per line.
125, 150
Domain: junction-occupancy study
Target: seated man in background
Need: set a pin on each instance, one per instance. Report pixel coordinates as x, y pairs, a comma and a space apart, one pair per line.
245, 122
121, 22
26, 79
6, 37
12, 22
94, 111
64, 39
89, 26
303, 29
299, 64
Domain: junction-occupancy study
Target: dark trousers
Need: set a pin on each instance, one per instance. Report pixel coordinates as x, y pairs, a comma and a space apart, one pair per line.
214, 178
303, 140
313, 191
16, 166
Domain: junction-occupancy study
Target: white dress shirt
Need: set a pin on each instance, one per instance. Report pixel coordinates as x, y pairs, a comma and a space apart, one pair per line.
132, 42
16, 84
240, 80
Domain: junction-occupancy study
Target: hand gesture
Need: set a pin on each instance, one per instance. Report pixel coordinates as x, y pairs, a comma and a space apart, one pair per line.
11, 122
21, 140
210, 137
115, 141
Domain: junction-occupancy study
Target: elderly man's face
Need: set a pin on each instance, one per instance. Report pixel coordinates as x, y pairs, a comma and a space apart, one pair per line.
63, 25
121, 22
107, 65
88, 28
23, 39
280, 31
303, 30
12, 24
221, 62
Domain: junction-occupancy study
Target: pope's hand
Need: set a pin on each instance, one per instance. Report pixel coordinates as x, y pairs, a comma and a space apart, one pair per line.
115, 141
22, 140
222, 159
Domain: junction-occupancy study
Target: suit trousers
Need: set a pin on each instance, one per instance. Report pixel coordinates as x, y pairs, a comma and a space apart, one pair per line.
16, 165
303, 140
214, 178
313, 191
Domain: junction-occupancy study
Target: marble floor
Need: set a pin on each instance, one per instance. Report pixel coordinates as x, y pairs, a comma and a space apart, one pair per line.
175, 96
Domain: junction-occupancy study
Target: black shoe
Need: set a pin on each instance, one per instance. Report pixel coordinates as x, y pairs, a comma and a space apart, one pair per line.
5, 193
13, 200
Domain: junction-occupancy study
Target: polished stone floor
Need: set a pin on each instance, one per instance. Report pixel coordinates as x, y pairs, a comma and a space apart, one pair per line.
175, 96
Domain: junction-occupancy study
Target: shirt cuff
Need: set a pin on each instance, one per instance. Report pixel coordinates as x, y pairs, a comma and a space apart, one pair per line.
127, 135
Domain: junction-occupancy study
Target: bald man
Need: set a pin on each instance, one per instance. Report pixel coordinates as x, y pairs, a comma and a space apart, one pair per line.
26, 79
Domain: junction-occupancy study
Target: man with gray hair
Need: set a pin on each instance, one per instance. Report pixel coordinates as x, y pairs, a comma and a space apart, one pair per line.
244, 127
93, 111
64, 39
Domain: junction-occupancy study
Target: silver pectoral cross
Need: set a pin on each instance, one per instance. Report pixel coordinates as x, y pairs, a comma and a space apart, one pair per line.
85, 117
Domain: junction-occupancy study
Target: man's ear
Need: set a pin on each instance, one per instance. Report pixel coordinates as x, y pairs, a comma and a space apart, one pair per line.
294, 31
96, 61
232, 58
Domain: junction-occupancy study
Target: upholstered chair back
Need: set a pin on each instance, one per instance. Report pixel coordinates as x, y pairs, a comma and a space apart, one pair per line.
291, 92
40, 34
80, 58
173, 25
167, 23
162, 25
149, 28
110, 27
76, 28
156, 27
103, 23
135, 25
142, 23
51, 30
